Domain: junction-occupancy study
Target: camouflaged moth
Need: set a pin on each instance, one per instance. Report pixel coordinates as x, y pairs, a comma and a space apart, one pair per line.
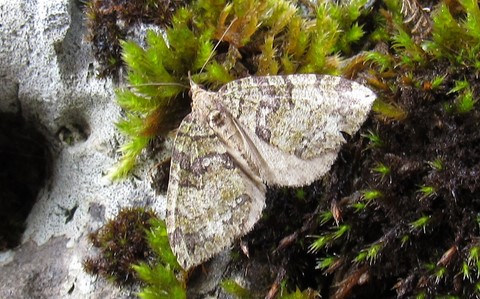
274, 130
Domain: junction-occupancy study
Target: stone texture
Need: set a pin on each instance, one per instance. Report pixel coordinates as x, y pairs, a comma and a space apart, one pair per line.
47, 74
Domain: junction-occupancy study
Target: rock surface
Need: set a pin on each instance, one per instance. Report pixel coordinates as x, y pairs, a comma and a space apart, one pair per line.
47, 75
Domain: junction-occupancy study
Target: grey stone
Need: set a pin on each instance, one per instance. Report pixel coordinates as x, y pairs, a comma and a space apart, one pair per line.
46, 75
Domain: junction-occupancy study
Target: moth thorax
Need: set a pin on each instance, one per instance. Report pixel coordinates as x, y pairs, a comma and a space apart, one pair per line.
202, 101
216, 119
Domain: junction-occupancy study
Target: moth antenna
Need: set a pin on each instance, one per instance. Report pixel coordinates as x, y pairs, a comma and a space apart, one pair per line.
190, 78
194, 87
217, 44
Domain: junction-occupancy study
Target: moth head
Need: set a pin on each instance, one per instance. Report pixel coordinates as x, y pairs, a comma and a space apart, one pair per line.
202, 100
195, 90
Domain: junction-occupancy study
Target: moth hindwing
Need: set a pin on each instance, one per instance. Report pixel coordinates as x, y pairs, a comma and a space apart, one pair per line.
275, 130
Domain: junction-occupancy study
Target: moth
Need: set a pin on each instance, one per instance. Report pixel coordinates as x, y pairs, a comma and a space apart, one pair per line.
253, 132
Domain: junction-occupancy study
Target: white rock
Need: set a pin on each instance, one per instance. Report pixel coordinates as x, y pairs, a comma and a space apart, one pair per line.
45, 68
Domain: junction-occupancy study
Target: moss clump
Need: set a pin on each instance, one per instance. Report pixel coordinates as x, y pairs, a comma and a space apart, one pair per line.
109, 21
256, 38
122, 243
134, 248
414, 226
160, 276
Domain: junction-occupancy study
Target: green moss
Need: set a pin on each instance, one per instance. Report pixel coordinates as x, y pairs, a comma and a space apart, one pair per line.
160, 277
326, 263
263, 37
374, 139
426, 191
424, 118
371, 194
233, 288
370, 253
382, 170
328, 239
389, 111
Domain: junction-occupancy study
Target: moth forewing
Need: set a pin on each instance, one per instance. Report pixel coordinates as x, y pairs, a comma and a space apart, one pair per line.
210, 200
294, 122
300, 114
282, 130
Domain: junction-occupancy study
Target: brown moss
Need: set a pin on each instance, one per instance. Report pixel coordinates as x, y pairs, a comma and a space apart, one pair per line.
109, 21
122, 243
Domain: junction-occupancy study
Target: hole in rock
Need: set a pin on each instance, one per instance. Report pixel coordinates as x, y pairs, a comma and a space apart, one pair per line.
73, 133
25, 164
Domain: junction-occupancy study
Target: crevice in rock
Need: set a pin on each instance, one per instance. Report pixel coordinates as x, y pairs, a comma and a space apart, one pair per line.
25, 166
72, 58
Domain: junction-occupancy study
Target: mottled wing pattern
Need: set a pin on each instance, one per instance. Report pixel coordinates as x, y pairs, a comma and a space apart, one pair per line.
210, 200
282, 130
296, 121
